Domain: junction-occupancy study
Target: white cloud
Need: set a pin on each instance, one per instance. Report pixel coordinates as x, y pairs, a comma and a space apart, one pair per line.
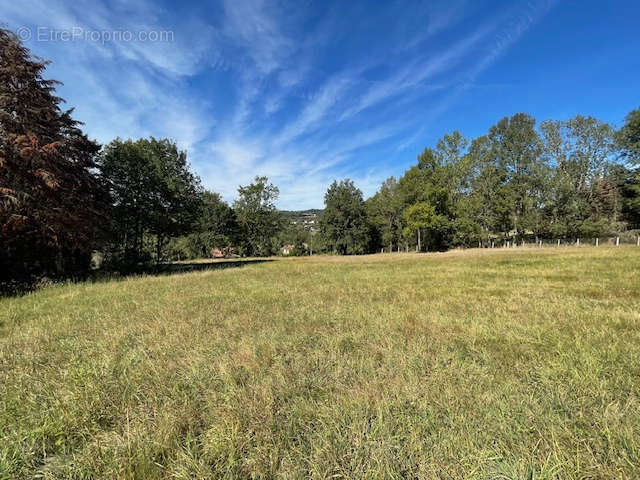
291, 106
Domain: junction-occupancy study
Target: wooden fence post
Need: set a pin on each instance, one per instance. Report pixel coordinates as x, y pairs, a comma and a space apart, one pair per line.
558, 242
617, 241
597, 241
577, 242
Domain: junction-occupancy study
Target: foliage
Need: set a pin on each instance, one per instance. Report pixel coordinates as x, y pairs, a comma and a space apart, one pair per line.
153, 194
384, 210
259, 221
581, 195
51, 203
62, 201
344, 224
518, 181
298, 236
422, 220
628, 137
215, 227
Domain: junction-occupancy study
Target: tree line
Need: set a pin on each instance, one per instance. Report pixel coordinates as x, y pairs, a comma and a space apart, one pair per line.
69, 205
521, 181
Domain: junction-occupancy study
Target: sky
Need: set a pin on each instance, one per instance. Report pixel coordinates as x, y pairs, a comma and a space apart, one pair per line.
307, 92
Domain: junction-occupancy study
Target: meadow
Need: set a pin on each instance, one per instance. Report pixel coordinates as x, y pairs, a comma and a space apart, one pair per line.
482, 364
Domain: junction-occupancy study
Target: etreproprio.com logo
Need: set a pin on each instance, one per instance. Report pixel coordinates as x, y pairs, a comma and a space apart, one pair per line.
81, 34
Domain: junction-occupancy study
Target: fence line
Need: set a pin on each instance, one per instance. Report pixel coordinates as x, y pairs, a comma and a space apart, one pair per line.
544, 242
563, 242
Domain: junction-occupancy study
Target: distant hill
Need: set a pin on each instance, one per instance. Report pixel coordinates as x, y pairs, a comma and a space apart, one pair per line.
301, 213
307, 218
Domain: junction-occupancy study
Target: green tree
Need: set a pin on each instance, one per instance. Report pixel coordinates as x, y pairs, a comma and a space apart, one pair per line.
215, 227
628, 137
515, 151
426, 225
385, 212
583, 199
344, 225
259, 221
154, 195
441, 179
628, 142
488, 205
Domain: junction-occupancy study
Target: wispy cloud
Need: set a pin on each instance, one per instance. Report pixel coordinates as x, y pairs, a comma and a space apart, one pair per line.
301, 94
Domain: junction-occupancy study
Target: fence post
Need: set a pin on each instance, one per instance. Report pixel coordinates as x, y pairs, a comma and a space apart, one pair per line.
577, 242
597, 241
558, 242
638, 242
523, 243
617, 241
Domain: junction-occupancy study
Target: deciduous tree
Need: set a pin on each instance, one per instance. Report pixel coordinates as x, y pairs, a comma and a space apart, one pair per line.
154, 195
344, 224
258, 218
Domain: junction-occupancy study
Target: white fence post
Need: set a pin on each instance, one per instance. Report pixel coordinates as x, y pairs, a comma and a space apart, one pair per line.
597, 241
638, 242
558, 242
578, 242
617, 241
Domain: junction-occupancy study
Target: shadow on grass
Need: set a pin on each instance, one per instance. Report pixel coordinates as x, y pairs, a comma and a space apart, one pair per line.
185, 267
19, 288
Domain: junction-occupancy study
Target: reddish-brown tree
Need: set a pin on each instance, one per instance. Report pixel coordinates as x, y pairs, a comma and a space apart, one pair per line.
50, 195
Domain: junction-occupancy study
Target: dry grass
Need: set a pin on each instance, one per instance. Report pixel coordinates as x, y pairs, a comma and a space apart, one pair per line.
479, 364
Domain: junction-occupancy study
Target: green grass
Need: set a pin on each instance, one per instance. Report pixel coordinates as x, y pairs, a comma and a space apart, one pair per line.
482, 364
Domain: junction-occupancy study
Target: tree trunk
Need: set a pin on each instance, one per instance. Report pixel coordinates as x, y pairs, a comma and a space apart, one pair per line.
158, 249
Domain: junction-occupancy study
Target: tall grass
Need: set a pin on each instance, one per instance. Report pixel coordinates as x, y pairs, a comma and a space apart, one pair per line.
483, 364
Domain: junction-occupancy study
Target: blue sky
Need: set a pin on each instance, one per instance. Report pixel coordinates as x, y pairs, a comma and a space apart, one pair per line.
307, 91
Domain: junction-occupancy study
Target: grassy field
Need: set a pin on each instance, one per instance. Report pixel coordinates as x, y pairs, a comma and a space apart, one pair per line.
480, 364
